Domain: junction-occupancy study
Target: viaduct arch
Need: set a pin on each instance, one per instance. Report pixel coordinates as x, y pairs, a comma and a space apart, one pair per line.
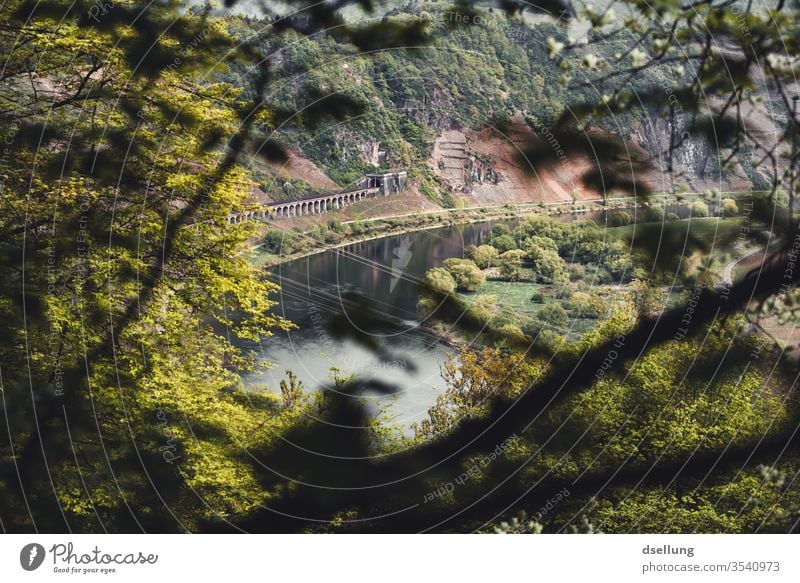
372, 184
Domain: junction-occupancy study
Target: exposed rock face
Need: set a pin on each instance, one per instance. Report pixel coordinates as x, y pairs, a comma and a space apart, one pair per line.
694, 162
487, 167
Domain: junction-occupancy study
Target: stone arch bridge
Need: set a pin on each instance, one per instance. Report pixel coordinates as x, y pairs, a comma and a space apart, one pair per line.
370, 185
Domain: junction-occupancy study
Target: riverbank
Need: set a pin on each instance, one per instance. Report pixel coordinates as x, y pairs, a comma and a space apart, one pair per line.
380, 227
374, 228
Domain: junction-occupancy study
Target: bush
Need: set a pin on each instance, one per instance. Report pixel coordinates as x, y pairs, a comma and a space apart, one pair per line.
466, 274
584, 305
554, 315
512, 333
645, 297
537, 297
500, 229
440, 280
729, 207
426, 306
511, 264
543, 242
549, 267
654, 214
672, 217
619, 218
281, 242
483, 256
483, 308
504, 243
576, 272
699, 209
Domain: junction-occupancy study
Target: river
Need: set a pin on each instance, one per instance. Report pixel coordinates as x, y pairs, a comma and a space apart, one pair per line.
385, 272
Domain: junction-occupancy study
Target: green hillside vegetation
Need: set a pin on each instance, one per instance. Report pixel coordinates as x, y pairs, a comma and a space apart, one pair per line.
468, 76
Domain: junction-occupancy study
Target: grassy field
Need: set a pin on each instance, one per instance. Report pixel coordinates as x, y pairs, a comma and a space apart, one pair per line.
514, 295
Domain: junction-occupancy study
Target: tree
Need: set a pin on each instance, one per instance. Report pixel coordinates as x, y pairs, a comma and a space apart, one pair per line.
654, 214
549, 267
504, 243
511, 264
729, 207
439, 279
542, 242
554, 315
484, 255
291, 390
542, 227
472, 379
619, 219
584, 305
500, 229
137, 274
699, 209
466, 274
646, 298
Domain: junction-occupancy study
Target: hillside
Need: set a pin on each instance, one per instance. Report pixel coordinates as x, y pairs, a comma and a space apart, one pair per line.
460, 113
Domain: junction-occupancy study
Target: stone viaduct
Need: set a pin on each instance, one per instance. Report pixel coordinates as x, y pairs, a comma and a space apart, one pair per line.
371, 184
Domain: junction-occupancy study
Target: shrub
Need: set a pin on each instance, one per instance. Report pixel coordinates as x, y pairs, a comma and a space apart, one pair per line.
619, 218
426, 306
554, 315
483, 256
504, 243
511, 264
500, 229
699, 209
282, 242
440, 280
645, 297
543, 242
584, 305
576, 271
654, 214
549, 267
729, 207
537, 297
512, 333
466, 274
483, 308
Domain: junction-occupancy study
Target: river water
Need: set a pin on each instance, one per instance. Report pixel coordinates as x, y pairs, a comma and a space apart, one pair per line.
317, 290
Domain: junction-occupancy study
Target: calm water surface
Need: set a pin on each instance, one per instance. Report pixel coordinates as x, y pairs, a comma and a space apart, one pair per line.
385, 272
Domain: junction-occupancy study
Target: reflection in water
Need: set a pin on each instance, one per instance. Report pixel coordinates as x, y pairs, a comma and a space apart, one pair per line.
385, 272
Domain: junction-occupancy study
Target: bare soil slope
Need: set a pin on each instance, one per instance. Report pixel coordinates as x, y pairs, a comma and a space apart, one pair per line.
487, 167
